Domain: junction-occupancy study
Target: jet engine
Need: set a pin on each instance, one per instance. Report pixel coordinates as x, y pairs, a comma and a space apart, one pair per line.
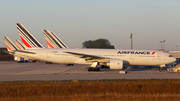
115, 64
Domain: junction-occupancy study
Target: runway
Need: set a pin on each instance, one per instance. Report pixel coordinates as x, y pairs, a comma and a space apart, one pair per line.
12, 71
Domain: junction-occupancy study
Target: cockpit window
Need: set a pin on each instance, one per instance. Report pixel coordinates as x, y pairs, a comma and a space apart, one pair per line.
170, 56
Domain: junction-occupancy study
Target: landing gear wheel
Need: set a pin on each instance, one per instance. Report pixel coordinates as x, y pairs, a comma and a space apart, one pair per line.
93, 69
90, 69
102, 66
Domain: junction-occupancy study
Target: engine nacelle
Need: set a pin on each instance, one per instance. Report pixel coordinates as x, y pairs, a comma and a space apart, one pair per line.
115, 64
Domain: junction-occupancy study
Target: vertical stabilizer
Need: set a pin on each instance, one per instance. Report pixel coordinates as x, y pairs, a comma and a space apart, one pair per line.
27, 38
19, 45
50, 40
53, 41
57, 38
9, 44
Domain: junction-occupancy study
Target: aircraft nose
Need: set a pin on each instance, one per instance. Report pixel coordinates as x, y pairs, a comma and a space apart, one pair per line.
173, 59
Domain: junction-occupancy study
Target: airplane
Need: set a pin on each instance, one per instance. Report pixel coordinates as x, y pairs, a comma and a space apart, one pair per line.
53, 41
113, 58
11, 46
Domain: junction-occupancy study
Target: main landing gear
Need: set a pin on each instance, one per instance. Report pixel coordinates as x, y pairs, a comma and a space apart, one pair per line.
93, 67
161, 67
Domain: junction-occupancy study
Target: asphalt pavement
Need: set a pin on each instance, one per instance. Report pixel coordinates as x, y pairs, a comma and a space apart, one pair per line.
12, 71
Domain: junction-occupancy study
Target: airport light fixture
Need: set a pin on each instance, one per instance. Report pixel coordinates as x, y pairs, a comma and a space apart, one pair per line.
131, 41
177, 47
162, 43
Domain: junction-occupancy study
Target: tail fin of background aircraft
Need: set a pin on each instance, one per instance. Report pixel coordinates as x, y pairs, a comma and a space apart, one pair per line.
27, 38
19, 45
9, 44
62, 43
53, 41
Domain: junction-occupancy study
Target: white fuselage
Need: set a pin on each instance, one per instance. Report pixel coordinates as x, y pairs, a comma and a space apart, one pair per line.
129, 57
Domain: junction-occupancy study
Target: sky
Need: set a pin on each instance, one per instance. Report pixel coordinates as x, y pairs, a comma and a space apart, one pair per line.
77, 21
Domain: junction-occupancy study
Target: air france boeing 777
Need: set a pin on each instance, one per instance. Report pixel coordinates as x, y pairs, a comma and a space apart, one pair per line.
113, 58
11, 47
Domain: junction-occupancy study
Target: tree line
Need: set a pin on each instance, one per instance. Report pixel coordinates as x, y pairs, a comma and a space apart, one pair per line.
98, 43
4, 56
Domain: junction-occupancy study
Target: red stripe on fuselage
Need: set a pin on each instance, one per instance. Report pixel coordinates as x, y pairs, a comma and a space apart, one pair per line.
27, 45
49, 44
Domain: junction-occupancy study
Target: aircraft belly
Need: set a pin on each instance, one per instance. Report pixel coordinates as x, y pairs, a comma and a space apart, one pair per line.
140, 61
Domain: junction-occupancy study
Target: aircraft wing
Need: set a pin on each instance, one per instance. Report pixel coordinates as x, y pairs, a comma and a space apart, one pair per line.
21, 51
90, 57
